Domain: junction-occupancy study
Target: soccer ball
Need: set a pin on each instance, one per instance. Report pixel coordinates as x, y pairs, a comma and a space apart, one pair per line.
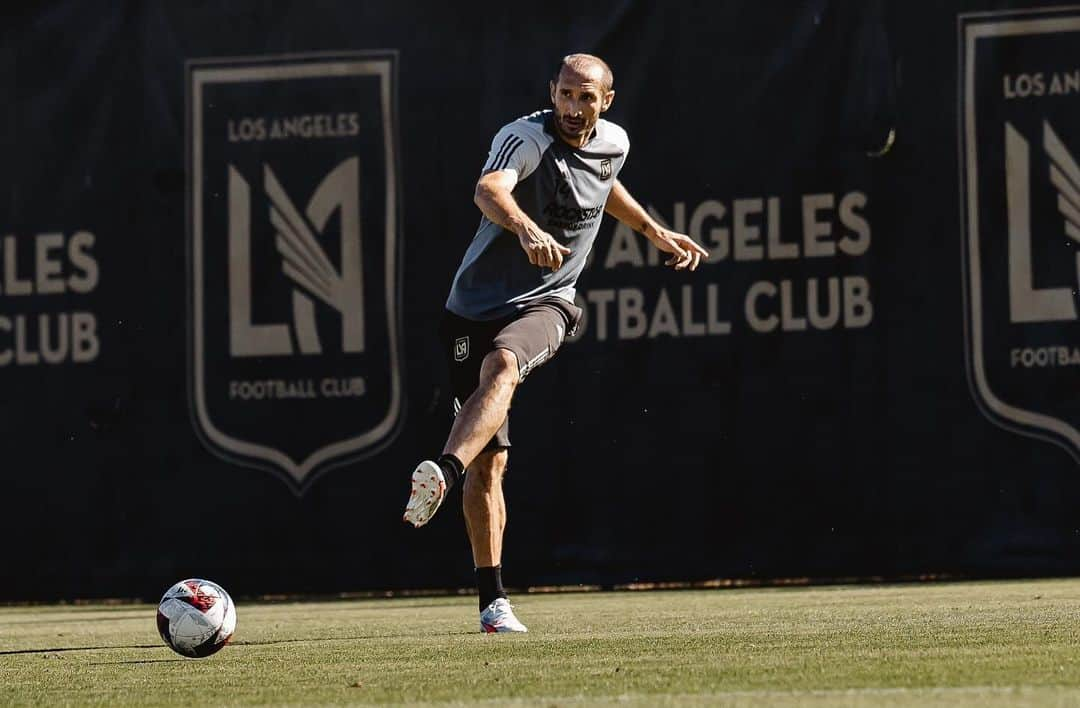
196, 617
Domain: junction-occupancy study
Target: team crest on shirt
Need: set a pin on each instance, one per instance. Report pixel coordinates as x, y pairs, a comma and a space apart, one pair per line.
605, 168
461, 349
295, 304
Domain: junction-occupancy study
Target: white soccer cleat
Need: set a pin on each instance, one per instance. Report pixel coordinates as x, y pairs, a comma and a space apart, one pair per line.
428, 492
499, 617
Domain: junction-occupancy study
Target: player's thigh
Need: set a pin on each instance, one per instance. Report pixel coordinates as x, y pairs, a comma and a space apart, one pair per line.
534, 336
464, 345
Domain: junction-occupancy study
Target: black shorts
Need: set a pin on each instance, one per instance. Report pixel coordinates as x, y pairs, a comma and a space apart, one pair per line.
533, 334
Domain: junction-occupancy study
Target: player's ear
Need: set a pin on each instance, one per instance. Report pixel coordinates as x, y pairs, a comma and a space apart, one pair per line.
609, 97
551, 89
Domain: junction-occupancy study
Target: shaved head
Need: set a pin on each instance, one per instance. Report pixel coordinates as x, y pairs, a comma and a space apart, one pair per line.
587, 65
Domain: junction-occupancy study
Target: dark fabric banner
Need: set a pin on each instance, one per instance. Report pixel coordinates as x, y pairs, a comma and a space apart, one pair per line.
227, 232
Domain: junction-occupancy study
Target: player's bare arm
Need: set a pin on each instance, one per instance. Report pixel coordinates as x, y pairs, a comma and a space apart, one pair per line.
685, 252
494, 196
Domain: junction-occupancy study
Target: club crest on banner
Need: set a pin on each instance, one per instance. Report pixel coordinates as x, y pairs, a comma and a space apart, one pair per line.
1020, 180
294, 251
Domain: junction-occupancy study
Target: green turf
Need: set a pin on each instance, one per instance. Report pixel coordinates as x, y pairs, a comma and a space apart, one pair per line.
1005, 643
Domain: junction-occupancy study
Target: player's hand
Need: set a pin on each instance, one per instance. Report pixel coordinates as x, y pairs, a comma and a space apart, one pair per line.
685, 252
542, 248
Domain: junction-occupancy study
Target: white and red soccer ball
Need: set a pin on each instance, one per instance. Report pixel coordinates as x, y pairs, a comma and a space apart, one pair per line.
196, 617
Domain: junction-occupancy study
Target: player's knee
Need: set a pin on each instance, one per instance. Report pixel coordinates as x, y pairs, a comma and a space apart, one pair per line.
501, 366
486, 472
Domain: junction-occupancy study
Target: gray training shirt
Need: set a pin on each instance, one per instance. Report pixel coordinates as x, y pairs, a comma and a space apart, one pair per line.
563, 189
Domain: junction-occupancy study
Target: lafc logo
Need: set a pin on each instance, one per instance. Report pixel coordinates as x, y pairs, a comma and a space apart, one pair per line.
1021, 214
461, 349
1028, 303
303, 261
296, 361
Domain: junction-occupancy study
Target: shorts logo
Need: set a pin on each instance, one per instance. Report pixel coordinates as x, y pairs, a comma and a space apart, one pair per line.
293, 231
1021, 184
605, 168
461, 349
533, 363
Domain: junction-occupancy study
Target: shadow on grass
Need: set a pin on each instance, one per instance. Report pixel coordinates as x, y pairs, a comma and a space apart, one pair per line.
137, 661
57, 650
271, 642
358, 605
77, 619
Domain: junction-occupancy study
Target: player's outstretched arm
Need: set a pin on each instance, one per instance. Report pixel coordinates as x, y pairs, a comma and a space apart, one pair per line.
494, 195
685, 252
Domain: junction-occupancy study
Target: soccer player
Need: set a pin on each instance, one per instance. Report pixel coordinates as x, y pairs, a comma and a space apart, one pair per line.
547, 182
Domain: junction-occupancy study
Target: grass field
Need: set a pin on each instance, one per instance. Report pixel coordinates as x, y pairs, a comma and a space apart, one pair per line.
1001, 643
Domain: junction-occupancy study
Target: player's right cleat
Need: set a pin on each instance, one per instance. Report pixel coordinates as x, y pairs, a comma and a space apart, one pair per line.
499, 617
428, 491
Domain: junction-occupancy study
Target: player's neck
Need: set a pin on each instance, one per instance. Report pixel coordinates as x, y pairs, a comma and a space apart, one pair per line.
575, 141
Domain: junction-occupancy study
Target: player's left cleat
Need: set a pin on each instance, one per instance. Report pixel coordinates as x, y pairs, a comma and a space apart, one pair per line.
499, 617
428, 491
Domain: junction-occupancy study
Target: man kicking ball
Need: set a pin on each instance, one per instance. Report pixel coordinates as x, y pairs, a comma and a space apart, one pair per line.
547, 182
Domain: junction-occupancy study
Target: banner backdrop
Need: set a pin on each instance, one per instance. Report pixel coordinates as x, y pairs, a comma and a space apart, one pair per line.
227, 234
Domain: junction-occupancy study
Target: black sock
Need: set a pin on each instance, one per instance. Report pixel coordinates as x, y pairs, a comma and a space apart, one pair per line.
452, 469
489, 582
